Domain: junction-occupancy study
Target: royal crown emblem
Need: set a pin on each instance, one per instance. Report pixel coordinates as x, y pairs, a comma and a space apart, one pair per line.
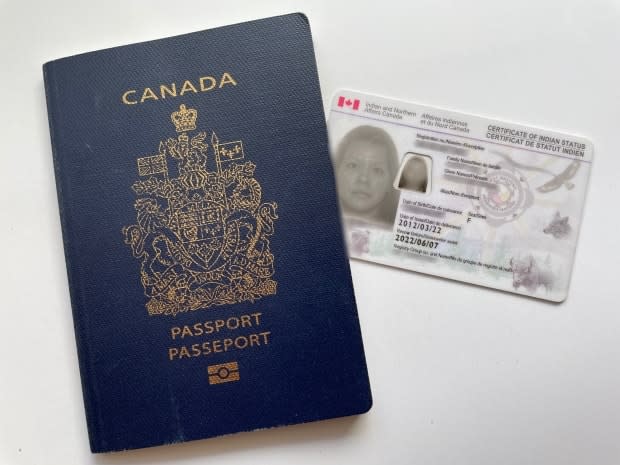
184, 119
202, 237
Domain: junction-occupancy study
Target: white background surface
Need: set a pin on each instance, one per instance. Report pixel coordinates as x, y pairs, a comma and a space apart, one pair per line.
460, 374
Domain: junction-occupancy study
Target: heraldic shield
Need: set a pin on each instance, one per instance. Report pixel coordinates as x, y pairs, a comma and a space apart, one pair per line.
202, 237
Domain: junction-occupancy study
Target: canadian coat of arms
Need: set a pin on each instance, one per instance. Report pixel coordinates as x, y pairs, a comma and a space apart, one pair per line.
203, 236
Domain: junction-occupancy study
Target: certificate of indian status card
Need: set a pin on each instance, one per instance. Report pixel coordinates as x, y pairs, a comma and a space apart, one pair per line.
459, 196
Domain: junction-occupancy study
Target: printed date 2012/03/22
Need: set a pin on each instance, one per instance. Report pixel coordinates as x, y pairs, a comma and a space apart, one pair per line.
421, 226
416, 241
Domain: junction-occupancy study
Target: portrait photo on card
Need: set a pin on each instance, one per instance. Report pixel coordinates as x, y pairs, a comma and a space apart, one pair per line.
414, 174
365, 163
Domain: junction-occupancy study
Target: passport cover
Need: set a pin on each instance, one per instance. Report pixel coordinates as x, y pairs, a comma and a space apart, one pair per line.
210, 288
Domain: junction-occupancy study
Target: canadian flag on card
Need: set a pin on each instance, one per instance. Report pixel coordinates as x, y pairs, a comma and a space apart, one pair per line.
347, 102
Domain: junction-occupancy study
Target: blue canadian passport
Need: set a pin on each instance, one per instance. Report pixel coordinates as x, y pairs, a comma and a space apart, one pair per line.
210, 288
